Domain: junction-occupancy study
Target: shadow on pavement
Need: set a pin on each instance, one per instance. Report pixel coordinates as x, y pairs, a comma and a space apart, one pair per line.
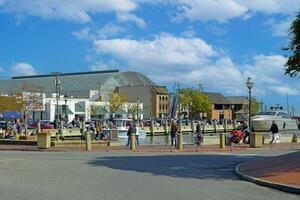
215, 167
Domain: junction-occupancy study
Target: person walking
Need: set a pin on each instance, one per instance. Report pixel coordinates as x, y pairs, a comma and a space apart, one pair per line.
245, 129
137, 134
129, 132
199, 135
174, 130
274, 130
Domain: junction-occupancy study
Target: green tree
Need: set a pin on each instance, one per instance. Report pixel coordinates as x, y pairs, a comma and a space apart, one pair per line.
93, 110
133, 109
255, 106
116, 101
194, 101
292, 66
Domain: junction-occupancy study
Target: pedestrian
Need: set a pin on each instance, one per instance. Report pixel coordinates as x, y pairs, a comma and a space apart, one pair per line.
174, 130
274, 130
246, 131
137, 134
129, 132
199, 136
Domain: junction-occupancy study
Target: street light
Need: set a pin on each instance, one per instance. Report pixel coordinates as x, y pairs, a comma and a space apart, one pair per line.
137, 110
191, 110
249, 85
66, 100
57, 91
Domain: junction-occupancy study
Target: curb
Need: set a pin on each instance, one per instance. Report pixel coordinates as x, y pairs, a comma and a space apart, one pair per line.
277, 186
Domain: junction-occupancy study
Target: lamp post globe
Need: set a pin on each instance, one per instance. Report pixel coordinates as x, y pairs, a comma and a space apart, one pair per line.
249, 84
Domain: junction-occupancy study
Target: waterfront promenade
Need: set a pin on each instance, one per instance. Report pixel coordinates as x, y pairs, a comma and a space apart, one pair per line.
131, 175
153, 172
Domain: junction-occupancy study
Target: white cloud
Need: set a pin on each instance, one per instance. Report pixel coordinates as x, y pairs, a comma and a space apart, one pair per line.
107, 31
189, 32
224, 10
205, 10
279, 28
22, 69
1, 69
98, 66
69, 10
271, 6
165, 51
127, 17
166, 58
284, 90
84, 34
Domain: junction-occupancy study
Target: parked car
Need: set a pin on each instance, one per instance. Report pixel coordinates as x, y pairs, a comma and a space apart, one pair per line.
43, 126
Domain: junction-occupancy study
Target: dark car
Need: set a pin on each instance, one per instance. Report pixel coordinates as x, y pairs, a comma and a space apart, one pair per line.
43, 126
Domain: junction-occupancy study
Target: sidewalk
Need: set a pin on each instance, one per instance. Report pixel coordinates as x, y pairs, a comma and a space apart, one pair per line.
280, 172
141, 149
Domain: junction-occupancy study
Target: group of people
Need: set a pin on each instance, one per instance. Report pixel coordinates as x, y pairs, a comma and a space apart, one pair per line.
133, 130
12, 129
273, 129
174, 134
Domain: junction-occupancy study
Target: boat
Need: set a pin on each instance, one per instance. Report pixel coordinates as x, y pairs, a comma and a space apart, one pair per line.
119, 129
263, 120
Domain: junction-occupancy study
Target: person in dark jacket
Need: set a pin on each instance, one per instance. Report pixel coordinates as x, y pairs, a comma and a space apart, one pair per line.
274, 130
174, 130
129, 132
199, 135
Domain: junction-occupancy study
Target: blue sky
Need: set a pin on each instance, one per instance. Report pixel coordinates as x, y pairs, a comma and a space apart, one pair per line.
217, 43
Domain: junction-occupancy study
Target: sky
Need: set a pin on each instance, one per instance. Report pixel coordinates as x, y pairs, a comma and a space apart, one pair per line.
215, 43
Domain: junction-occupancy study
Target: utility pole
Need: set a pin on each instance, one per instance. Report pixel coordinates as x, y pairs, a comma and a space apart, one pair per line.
261, 105
293, 111
287, 103
57, 91
176, 87
201, 87
99, 90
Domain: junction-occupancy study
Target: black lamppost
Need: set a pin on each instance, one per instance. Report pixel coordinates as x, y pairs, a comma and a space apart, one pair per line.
57, 91
137, 111
249, 85
66, 101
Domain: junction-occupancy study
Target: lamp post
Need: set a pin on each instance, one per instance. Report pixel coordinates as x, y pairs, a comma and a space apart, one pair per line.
191, 110
249, 85
137, 111
57, 91
66, 101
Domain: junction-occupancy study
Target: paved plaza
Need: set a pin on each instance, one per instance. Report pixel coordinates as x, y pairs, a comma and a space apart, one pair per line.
142, 175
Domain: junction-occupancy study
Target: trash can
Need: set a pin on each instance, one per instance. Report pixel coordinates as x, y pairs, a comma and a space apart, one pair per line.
44, 140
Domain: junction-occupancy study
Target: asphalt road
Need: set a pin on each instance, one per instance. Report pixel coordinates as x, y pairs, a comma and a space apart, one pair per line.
114, 176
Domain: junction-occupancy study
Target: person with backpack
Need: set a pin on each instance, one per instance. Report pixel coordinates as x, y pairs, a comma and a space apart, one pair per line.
174, 130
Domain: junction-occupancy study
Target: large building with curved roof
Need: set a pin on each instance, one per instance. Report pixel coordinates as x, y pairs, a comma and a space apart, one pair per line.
95, 86
79, 85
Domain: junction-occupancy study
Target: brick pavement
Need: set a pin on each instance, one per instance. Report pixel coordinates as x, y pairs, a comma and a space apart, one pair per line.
284, 169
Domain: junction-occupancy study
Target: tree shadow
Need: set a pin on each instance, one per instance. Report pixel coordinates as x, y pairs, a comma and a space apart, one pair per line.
214, 167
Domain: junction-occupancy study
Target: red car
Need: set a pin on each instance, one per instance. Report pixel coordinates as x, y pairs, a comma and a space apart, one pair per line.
43, 126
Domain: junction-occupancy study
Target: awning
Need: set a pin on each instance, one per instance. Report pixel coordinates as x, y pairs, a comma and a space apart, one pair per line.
12, 115
240, 112
61, 110
80, 107
121, 111
100, 110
